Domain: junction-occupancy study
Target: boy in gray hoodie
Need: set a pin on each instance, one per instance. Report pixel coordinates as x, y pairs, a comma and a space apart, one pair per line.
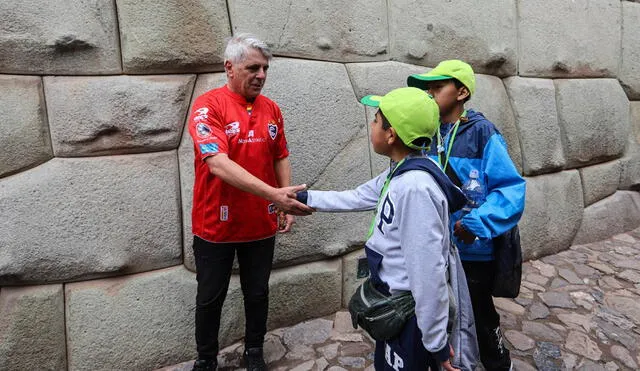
408, 245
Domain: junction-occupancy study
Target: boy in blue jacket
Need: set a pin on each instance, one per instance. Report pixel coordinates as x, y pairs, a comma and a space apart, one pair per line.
409, 234
468, 141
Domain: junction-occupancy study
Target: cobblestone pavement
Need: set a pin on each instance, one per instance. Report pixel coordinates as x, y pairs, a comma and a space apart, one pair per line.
577, 310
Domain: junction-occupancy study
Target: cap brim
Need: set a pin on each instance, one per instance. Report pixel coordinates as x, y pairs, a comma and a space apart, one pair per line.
422, 81
371, 100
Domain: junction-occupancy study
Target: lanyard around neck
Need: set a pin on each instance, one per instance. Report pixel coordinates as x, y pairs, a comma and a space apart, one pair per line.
383, 191
452, 137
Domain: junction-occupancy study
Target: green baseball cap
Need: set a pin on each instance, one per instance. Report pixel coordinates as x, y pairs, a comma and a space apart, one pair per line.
412, 113
445, 70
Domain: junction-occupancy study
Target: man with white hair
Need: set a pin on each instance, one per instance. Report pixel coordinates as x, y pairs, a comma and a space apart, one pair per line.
242, 182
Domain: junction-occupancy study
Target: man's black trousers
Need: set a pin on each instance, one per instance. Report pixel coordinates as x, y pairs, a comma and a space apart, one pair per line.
214, 262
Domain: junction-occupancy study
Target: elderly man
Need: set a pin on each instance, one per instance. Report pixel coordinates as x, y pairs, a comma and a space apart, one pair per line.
242, 180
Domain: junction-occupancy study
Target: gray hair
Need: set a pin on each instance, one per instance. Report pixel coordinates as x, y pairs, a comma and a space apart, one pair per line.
238, 46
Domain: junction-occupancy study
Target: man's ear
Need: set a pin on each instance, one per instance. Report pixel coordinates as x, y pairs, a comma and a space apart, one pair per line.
463, 93
228, 67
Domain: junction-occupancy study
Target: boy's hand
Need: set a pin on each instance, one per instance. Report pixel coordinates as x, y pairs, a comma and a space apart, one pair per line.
463, 234
446, 365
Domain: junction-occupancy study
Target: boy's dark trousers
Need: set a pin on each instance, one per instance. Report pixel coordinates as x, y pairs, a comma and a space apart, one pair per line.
493, 354
404, 352
214, 262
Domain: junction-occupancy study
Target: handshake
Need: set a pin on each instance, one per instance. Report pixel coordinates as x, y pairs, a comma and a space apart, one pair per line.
287, 206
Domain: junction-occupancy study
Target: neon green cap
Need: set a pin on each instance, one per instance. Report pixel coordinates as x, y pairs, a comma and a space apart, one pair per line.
412, 113
445, 70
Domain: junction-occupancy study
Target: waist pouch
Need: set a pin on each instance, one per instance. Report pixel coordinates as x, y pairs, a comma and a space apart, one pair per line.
382, 316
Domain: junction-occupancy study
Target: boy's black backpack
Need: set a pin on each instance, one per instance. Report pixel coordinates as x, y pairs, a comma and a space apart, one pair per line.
508, 256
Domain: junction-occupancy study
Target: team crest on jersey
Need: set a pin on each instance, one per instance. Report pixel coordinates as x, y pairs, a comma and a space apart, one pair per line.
232, 129
203, 130
273, 130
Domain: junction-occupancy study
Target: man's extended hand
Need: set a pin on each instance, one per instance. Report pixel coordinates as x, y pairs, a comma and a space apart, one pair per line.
285, 222
285, 200
463, 234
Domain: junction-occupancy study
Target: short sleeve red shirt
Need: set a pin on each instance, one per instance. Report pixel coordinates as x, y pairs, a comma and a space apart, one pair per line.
252, 135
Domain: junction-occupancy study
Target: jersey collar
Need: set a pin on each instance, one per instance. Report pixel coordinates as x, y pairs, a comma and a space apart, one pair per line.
237, 97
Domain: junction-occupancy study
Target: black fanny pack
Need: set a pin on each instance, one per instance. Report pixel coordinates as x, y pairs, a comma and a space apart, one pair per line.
382, 316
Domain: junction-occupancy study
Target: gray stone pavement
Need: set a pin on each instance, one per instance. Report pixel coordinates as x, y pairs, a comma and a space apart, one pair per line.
577, 310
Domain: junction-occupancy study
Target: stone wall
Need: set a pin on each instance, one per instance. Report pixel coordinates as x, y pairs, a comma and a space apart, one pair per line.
96, 268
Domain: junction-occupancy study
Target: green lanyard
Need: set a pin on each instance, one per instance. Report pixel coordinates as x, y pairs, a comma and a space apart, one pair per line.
440, 148
383, 191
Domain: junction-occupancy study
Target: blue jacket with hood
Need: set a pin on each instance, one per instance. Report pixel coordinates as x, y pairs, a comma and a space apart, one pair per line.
479, 145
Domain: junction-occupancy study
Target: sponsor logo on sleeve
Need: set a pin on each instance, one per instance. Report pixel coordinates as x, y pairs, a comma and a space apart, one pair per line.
203, 130
232, 128
273, 130
201, 114
224, 213
209, 148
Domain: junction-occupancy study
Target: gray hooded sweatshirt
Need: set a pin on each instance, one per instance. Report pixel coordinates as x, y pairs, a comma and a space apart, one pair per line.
411, 232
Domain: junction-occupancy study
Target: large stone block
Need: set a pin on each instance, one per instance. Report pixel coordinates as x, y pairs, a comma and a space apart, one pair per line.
32, 333
173, 36
594, 117
600, 181
305, 291
621, 211
59, 37
380, 77
534, 105
72, 219
492, 100
630, 63
552, 214
116, 114
332, 30
578, 38
426, 33
135, 322
24, 134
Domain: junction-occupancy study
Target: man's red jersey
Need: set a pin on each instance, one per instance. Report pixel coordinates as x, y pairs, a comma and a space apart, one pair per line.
252, 135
